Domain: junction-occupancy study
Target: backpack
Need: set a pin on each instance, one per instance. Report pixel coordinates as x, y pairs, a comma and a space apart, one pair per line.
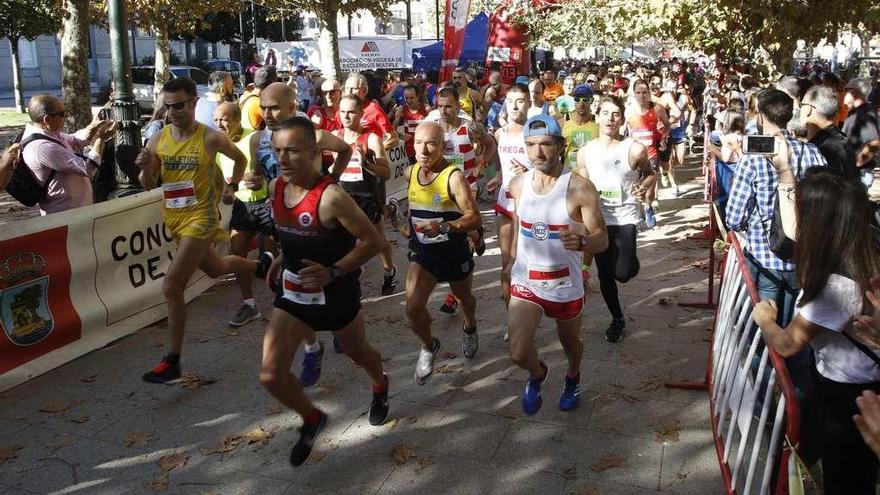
23, 184
780, 244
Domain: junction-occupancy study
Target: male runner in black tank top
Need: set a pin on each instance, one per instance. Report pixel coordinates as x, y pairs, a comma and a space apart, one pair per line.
315, 278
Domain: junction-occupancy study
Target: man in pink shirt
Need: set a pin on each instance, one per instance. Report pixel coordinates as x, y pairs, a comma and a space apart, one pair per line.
70, 185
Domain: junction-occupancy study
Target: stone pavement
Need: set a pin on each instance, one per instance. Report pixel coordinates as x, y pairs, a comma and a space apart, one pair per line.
93, 427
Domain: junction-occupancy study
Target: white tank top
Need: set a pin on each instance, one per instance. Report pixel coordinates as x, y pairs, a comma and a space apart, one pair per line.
510, 148
616, 181
542, 264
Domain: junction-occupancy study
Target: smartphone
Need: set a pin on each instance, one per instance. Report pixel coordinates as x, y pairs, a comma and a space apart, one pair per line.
760, 145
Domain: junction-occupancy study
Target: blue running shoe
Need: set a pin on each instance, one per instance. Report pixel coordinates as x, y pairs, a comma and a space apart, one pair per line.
571, 394
650, 218
336, 347
531, 400
311, 368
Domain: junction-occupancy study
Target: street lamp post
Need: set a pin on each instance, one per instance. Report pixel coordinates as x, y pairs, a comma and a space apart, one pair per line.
125, 109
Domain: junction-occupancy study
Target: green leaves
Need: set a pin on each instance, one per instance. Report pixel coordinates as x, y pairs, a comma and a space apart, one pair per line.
29, 18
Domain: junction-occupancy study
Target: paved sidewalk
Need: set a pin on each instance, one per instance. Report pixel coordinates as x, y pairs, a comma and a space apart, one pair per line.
93, 427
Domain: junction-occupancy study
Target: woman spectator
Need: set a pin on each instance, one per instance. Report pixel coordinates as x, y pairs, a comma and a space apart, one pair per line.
829, 213
157, 120
726, 146
219, 90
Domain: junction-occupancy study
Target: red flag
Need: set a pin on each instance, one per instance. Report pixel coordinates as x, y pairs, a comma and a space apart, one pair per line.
453, 36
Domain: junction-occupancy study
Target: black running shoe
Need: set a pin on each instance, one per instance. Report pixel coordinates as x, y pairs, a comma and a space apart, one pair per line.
480, 246
379, 406
164, 372
450, 305
614, 333
263, 263
307, 435
389, 282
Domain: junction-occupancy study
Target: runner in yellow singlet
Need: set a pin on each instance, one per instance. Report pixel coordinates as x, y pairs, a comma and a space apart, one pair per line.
471, 102
182, 156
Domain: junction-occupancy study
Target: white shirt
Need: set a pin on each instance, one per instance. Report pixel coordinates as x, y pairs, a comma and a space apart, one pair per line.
836, 357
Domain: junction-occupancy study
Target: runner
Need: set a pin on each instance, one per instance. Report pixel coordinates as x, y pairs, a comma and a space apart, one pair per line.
553, 208
442, 210
470, 101
408, 116
552, 88
679, 133
514, 161
541, 106
621, 170
468, 146
665, 95
316, 278
360, 178
493, 99
182, 156
647, 123
251, 213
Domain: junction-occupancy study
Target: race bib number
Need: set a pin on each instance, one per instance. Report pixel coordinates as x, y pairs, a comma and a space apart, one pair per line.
573, 159
644, 136
550, 277
610, 194
179, 194
354, 171
296, 293
458, 160
420, 223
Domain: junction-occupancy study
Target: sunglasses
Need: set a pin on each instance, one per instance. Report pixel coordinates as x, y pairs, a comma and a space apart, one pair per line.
582, 99
62, 113
177, 106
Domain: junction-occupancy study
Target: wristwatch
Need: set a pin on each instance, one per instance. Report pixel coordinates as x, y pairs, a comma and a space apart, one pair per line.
583, 243
444, 228
335, 273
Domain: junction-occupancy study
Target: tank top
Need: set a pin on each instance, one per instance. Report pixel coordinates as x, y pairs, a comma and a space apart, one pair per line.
544, 110
510, 148
460, 151
302, 236
542, 263
227, 165
188, 172
266, 156
411, 119
356, 180
576, 137
643, 128
432, 202
467, 102
615, 180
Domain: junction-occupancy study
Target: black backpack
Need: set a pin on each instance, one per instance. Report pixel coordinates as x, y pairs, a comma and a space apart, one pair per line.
780, 244
23, 184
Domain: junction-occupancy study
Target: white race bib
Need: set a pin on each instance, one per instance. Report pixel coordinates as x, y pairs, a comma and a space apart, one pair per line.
424, 239
354, 171
610, 193
179, 194
550, 277
295, 292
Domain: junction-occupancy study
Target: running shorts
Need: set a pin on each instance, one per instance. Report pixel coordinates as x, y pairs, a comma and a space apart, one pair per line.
204, 225
445, 268
664, 155
505, 204
341, 307
252, 216
556, 310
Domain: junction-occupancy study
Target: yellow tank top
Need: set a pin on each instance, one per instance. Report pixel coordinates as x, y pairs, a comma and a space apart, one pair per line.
576, 136
188, 173
432, 202
467, 103
227, 165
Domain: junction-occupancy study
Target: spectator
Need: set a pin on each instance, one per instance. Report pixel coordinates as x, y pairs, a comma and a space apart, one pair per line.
726, 146
219, 90
251, 115
750, 211
303, 88
8, 162
552, 88
868, 419
828, 213
252, 67
157, 120
861, 127
819, 108
58, 158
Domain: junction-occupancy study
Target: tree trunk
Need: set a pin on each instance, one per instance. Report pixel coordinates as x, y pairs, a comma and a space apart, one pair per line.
163, 56
328, 44
75, 64
17, 89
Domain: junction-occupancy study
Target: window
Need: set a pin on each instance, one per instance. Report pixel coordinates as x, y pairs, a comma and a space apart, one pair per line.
27, 53
199, 76
143, 75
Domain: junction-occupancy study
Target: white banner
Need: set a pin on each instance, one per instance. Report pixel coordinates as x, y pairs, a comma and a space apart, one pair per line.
354, 55
72, 282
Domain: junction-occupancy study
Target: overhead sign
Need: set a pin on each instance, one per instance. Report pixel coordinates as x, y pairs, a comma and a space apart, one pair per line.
354, 55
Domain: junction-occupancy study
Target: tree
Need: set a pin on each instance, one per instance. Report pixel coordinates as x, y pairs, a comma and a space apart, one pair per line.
327, 12
25, 19
74, 63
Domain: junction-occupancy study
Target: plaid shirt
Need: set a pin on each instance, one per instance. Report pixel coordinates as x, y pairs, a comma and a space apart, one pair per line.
750, 204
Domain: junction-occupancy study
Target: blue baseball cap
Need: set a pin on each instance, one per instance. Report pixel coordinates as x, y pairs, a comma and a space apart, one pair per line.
524, 80
582, 90
541, 125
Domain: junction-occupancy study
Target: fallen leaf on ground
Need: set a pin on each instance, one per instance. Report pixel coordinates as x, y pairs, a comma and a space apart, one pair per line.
55, 407
231, 333
172, 461
273, 409
669, 432
589, 490
424, 462
650, 385
316, 457
608, 462
258, 435
570, 473
8, 452
392, 424
227, 444
159, 484
138, 438
401, 454
630, 398
449, 369
449, 355
663, 302
193, 381
88, 379
80, 420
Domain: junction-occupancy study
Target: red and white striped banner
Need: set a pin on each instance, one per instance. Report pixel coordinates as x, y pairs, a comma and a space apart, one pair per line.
453, 36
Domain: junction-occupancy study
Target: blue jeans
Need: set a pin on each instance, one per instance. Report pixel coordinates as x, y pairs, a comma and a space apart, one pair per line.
782, 287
